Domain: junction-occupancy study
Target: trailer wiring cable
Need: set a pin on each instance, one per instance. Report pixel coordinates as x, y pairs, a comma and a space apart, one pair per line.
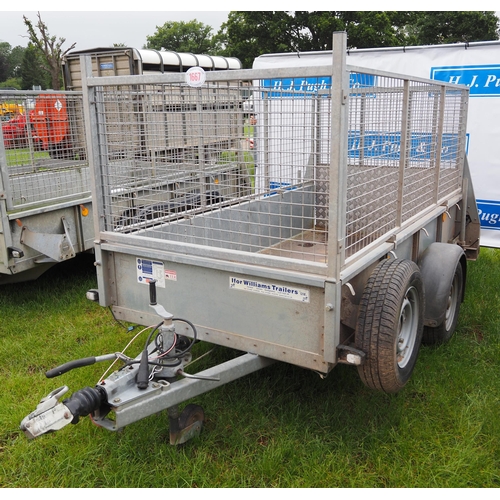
123, 352
153, 363
201, 356
145, 361
128, 328
191, 344
162, 355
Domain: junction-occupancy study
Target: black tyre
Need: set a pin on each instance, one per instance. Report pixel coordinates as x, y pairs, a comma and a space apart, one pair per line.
443, 332
390, 324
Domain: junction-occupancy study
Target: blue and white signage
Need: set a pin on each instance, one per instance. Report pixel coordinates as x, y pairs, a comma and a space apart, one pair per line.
482, 80
148, 270
271, 289
489, 214
388, 146
280, 87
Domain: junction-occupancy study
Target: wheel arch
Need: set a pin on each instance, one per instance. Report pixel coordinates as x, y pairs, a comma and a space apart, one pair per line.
437, 265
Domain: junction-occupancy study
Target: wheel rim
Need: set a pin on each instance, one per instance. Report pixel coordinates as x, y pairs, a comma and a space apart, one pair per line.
408, 326
451, 306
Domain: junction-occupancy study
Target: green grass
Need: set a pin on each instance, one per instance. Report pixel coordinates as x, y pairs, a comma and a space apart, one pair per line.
24, 156
281, 427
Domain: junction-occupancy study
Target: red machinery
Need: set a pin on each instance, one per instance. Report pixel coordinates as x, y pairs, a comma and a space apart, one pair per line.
47, 124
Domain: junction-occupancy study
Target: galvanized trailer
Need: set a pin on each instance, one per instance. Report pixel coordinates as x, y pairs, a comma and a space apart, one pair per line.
45, 196
332, 226
45, 200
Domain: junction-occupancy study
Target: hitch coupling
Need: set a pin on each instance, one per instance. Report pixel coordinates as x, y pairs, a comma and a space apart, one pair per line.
51, 414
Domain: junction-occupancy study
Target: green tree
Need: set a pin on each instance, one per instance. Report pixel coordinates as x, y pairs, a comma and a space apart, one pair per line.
10, 61
32, 70
5, 49
248, 34
49, 47
451, 27
15, 60
191, 36
11, 83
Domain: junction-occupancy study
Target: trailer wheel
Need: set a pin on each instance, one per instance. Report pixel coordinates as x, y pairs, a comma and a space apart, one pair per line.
443, 332
390, 325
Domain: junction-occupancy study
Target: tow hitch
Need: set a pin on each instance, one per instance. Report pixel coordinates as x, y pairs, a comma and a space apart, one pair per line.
153, 381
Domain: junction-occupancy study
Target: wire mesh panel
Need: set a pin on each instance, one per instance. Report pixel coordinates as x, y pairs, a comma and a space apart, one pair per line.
45, 149
197, 166
405, 153
193, 165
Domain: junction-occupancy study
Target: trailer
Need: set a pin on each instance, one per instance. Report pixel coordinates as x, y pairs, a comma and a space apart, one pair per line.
46, 207
474, 64
343, 238
45, 200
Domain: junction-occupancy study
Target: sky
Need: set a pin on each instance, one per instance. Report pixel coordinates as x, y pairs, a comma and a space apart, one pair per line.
99, 28
90, 25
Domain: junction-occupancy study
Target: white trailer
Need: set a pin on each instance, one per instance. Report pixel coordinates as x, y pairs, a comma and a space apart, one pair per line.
476, 65
343, 240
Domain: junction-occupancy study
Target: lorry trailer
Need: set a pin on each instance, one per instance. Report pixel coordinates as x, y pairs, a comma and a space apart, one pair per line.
342, 236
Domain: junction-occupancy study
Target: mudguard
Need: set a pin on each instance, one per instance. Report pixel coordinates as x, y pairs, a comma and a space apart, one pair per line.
437, 266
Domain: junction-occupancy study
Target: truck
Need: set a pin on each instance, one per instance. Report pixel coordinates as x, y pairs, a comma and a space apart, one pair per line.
46, 207
345, 242
474, 64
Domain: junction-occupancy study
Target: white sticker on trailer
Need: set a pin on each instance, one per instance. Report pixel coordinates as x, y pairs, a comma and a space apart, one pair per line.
148, 270
284, 292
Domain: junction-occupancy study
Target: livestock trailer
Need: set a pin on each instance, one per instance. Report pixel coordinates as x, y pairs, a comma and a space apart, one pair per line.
343, 238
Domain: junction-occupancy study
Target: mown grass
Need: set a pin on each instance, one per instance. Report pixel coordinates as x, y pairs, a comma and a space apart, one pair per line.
281, 427
24, 156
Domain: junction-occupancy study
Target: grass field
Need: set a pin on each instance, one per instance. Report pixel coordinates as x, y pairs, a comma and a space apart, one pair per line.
23, 156
281, 427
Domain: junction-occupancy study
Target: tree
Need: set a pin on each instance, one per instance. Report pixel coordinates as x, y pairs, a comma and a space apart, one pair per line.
452, 27
50, 48
248, 34
15, 60
4, 60
10, 61
191, 36
32, 71
11, 83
